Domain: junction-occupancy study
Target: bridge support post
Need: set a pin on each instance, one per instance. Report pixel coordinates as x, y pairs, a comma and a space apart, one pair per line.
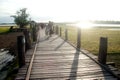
56, 29
21, 50
60, 31
34, 33
53, 28
102, 50
78, 39
28, 39
66, 34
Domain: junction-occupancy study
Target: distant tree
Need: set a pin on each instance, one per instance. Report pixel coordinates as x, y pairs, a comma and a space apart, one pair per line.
21, 18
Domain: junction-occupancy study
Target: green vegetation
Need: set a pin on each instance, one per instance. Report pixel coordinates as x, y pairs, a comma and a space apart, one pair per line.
21, 18
4, 29
90, 40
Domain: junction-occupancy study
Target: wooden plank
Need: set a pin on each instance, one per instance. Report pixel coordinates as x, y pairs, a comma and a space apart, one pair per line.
55, 59
59, 75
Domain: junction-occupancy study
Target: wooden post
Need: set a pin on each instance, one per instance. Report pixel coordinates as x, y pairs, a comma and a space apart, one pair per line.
78, 39
66, 34
21, 50
34, 33
31, 27
53, 29
60, 31
28, 39
102, 50
57, 30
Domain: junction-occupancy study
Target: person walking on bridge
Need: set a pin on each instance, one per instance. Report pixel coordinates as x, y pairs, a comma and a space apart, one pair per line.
49, 30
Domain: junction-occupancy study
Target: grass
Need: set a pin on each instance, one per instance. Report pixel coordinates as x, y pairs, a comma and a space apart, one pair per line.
4, 29
90, 41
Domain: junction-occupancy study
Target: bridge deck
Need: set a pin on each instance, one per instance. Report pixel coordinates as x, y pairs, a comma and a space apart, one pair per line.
56, 59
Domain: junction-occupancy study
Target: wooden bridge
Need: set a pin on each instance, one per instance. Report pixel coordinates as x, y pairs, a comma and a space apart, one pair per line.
55, 59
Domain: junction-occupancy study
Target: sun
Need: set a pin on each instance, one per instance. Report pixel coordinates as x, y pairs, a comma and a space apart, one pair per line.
84, 24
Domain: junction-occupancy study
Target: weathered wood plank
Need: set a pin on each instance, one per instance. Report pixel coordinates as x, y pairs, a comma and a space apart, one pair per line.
63, 62
60, 75
55, 59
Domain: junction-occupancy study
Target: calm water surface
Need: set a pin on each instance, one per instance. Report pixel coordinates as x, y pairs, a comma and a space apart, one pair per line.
91, 25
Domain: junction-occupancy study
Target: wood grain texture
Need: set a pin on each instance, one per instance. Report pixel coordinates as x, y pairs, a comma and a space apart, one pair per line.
55, 59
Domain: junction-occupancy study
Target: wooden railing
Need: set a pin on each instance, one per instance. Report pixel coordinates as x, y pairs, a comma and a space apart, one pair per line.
103, 45
102, 48
25, 42
32, 58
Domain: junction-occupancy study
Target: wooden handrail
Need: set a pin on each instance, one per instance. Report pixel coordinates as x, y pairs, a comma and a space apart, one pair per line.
104, 42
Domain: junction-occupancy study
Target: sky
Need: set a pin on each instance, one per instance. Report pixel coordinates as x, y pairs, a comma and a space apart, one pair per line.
61, 10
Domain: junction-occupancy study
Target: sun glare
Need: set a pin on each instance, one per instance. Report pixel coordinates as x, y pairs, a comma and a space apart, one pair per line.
84, 25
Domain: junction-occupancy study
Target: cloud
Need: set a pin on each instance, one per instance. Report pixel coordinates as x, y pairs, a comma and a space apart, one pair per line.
6, 19
63, 10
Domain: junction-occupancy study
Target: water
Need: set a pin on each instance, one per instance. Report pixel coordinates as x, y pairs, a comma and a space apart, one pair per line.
7, 25
88, 25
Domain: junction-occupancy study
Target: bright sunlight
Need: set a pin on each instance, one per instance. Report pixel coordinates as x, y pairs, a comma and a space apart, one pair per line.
84, 24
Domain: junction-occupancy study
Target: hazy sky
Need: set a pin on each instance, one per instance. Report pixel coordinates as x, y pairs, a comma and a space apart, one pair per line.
62, 10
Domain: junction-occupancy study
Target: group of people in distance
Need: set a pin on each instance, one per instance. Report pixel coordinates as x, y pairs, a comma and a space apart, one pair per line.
48, 28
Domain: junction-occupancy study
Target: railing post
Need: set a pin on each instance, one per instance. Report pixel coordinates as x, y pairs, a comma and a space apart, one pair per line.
56, 29
21, 50
102, 50
28, 39
66, 34
53, 29
34, 33
60, 31
78, 39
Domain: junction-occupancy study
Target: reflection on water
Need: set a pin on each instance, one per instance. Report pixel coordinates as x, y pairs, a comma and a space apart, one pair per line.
89, 25
7, 25
84, 24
